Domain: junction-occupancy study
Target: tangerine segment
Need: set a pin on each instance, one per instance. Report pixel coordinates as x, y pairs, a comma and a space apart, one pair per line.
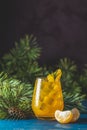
76, 114
63, 116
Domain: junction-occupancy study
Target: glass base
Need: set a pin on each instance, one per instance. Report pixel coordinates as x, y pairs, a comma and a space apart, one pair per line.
46, 118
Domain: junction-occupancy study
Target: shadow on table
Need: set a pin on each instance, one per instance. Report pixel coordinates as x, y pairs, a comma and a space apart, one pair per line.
82, 121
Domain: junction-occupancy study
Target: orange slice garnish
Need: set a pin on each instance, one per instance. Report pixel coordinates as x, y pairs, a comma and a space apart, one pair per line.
63, 116
50, 78
76, 114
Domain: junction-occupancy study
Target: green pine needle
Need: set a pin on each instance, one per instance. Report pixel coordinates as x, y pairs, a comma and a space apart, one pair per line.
14, 93
21, 62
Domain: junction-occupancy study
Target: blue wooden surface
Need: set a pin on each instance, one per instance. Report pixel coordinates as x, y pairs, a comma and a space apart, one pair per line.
36, 124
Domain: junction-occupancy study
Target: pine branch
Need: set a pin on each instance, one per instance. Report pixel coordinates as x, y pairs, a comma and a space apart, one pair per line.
21, 62
14, 94
83, 80
74, 100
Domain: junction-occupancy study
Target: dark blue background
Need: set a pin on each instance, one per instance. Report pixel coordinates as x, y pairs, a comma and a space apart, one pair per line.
59, 25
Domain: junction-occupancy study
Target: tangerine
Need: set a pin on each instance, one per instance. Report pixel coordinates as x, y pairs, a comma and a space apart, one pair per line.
76, 114
63, 116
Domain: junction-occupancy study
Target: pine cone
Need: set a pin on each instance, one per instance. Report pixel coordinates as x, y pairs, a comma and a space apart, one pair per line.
16, 113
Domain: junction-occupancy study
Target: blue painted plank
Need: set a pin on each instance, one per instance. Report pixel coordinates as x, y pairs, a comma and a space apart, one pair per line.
36, 124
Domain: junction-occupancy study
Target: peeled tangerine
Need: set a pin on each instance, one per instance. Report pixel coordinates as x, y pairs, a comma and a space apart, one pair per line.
76, 114
67, 116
